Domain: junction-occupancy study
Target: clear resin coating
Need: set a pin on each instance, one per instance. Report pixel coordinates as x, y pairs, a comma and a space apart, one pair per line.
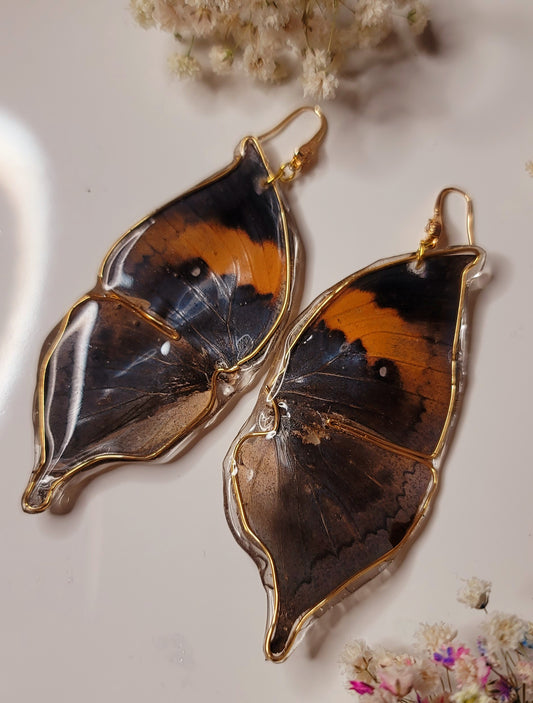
331, 476
185, 308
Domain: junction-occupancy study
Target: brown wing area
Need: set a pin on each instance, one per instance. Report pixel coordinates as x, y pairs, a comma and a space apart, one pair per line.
114, 386
326, 514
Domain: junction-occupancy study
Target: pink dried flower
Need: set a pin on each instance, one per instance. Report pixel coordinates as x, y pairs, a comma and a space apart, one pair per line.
361, 687
396, 679
472, 670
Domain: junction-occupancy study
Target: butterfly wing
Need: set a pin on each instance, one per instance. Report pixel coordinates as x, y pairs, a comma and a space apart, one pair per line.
185, 308
339, 464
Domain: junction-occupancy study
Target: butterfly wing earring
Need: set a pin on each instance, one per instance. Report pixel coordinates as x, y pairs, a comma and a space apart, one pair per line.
338, 465
186, 306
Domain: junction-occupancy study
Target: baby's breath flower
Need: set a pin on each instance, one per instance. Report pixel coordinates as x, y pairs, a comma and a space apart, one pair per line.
524, 674
266, 36
434, 637
143, 12
259, 65
417, 16
357, 661
426, 677
221, 58
504, 632
319, 81
475, 593
471, 694
471, 670
184, 66
397, 679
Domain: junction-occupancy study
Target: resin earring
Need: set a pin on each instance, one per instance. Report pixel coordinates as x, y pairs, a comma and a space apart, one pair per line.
333, 473
186, 306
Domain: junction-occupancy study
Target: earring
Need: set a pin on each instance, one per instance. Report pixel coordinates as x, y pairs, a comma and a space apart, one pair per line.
333, 473
186, 307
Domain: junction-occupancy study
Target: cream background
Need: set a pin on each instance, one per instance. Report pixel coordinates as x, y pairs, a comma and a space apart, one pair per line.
141, 593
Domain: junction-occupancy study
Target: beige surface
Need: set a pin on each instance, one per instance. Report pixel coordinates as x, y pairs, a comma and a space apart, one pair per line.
141, 594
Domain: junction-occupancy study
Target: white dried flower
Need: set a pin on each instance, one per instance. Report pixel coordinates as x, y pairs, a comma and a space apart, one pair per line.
435, 637
202, 21
524, 674
184, 66
319, 81
266, 36
169, 17
259, 65
504, 632
471, 670
357, 661
475, 593
470, 694
426, 677
373, 23
417, 17
221, 58
143, 12
371, 12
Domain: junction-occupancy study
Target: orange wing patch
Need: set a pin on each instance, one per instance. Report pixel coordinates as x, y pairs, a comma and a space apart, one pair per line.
424, 365
170, 242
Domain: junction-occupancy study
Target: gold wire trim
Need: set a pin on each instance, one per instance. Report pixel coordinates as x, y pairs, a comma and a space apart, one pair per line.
426, 460
162, 326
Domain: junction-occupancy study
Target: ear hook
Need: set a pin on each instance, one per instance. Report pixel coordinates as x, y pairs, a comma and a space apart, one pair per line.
435, 225
302, 156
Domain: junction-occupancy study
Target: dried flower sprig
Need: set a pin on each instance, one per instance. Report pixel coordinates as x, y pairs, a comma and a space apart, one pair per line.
270, 41
529, 168
499, 669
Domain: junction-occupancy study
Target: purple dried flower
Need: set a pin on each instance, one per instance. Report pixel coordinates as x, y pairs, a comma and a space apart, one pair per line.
502, 690
447, 657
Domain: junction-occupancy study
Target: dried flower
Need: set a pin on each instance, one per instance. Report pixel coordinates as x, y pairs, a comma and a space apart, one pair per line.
271, 40
447, 657
471, 694
435, 637
221, 58
397, 679
501, 671
184, 66
318, 79
529, 168
417, 16
504, 632
524, 675
475, 593
361, 687
472, 670
143, 12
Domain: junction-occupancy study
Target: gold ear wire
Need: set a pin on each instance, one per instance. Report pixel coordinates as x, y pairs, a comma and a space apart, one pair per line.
435, 224
305, 154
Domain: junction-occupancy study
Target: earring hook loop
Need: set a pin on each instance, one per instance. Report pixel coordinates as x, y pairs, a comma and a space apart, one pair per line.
304, 154
435, 225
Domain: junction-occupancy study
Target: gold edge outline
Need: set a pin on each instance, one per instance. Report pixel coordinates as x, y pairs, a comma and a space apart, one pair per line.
306, 318
104, 458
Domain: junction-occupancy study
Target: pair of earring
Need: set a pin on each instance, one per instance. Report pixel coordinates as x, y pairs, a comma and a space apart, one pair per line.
338, 464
